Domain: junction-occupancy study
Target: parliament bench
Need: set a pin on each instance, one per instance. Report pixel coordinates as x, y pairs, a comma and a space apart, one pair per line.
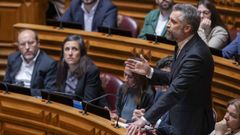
110, 52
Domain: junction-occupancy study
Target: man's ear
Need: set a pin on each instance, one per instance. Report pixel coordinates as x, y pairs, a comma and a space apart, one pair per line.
187, 28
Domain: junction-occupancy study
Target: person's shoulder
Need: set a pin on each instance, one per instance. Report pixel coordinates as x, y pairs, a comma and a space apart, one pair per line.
106, 3
14, 55
218, 29
154, 12
76, 2
199, 47
196, 39
91, 66
43, 56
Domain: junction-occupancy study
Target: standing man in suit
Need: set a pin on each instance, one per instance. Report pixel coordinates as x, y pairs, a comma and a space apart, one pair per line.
156, 21
91, 14
30, 67
188, 98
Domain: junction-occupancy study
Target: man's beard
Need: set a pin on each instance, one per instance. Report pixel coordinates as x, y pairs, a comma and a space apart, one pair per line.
166, 6
173, 36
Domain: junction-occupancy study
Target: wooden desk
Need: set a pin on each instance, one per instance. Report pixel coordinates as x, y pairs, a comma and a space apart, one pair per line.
26, 115
109, 54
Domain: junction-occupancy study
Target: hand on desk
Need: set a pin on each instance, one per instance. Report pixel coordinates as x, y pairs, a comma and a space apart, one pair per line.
135, 127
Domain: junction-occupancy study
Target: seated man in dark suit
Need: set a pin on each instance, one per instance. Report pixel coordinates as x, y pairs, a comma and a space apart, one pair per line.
91, 14
30, 67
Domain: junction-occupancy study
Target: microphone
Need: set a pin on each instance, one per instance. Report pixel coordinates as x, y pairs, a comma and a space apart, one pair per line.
95, 99
117, 125
6, 87
58, 14
109, 31
237, 59
118, 118
155, 34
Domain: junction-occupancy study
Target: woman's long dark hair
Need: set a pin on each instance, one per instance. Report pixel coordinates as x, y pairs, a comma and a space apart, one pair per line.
62, 68
215, 17
141, 85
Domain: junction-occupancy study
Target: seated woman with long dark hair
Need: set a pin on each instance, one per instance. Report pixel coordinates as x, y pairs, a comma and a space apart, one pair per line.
135, 93
212, 29
76, 72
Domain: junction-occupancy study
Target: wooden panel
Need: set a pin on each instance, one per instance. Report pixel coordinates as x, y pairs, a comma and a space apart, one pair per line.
13, 129
14, 11
5, 50
10, 14
35, 117
110, 52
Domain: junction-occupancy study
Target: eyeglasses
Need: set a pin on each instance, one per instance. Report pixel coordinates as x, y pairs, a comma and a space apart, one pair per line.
30, 43
205, 12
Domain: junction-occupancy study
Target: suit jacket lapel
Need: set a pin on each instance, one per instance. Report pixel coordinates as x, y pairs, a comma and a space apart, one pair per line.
16, 65
155, 20
79, 16
178, 59
98, 14
35, 69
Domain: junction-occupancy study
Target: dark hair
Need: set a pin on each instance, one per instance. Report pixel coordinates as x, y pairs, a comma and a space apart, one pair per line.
190, 15
164, 62
141, 85
62, 68
215, 17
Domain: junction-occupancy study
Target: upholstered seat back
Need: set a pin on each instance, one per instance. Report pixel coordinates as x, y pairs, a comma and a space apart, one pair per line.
129, 24
110, 84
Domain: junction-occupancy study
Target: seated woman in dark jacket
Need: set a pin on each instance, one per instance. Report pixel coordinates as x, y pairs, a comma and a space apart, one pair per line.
135, 93
76, 73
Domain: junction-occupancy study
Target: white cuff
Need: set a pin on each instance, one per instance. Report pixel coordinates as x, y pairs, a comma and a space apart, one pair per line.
146, 122
149, 76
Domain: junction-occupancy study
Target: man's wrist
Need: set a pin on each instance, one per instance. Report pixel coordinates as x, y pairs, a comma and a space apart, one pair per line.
145, 120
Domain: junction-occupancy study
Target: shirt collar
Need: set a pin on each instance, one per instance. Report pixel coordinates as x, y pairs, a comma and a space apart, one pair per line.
32, 61
166, 17
182, 43
92, 10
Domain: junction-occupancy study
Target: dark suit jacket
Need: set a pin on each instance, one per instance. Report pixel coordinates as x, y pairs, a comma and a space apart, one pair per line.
105, 15
189, 95
89, 85
44, 72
